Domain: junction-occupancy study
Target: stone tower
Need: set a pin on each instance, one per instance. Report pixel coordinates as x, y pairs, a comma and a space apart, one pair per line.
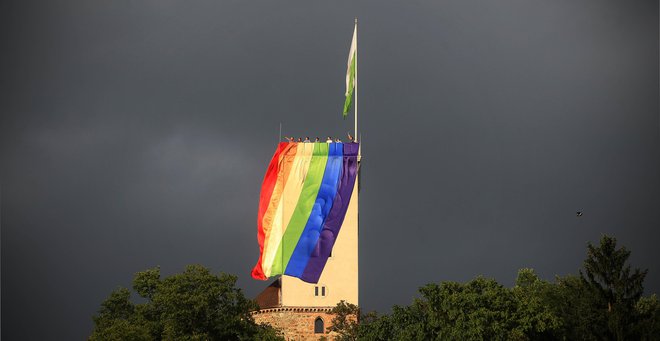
300, 309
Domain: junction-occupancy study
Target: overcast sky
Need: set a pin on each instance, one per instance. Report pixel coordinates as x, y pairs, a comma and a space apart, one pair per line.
137, 133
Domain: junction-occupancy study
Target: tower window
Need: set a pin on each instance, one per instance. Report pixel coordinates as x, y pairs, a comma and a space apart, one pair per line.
319, 291
318, 326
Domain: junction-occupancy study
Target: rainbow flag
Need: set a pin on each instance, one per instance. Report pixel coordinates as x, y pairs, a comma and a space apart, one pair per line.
304, 198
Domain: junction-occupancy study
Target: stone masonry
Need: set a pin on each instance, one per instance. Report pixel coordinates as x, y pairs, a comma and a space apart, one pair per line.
297, 323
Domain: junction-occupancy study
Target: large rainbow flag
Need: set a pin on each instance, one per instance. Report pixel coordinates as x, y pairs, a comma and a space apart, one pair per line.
304, 198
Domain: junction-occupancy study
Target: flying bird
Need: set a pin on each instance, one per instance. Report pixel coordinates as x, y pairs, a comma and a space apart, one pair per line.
578, 213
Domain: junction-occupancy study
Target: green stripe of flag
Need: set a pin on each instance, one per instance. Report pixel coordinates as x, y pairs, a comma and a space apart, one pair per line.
303, 208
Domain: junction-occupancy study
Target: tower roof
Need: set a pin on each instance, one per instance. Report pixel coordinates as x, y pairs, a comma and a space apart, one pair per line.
270, 297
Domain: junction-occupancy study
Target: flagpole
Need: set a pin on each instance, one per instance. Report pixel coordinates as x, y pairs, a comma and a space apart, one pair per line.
356, 80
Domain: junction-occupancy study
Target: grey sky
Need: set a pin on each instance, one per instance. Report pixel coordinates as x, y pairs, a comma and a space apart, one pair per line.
136, 134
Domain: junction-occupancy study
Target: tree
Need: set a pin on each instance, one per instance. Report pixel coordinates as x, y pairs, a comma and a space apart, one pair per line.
619, 287
535, 319
579, 308
193, 305
481, 309
345, 321
648, 312
375, 327
117, 320
604, 302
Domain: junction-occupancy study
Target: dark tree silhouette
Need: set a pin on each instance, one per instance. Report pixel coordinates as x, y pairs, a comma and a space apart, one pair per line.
620, 287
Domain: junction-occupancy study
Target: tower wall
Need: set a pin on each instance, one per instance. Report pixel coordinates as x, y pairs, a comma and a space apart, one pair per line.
340, 275
292, 306
297, 323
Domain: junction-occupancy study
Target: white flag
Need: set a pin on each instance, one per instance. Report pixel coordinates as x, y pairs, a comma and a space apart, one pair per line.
350, 73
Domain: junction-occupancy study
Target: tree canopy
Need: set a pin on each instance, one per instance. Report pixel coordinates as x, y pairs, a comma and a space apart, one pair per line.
193, 305
603, 302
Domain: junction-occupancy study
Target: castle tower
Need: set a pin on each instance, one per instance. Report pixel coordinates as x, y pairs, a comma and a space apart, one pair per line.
300, 309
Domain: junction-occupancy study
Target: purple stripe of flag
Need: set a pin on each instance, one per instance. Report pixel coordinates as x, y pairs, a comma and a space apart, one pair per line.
335, 218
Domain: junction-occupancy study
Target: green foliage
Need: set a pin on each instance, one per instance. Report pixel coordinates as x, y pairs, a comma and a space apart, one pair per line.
481, 309
648, 312
602, 303
535, 319
345, 321
117, 319
193, 305
375, 327
606, 273
120, 330
580, 309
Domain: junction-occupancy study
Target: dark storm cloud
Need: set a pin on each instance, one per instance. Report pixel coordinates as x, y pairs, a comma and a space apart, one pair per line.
136, 134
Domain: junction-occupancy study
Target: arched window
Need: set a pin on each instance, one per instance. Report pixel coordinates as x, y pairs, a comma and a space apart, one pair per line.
318, 326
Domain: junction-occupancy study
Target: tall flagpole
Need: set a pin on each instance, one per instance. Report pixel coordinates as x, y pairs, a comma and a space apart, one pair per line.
356, 81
